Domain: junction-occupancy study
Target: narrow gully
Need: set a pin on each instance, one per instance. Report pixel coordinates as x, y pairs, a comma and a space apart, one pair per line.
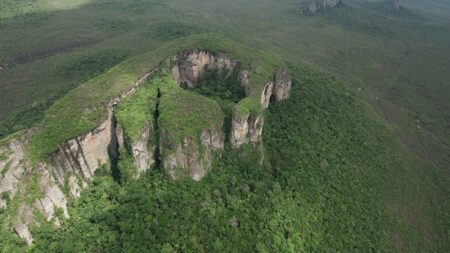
157, 152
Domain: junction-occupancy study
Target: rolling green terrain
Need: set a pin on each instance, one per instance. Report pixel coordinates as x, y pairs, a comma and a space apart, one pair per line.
357, 162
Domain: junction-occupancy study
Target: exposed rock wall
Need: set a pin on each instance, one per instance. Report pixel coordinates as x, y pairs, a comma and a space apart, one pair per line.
317, 5
73, 163
142, 154
53, 196
246, 129
76, 159
84, 154
24, 220
13, 166
190, 66
191, 157
277, 89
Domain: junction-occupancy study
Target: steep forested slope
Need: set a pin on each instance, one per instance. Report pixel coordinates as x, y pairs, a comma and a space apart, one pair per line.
329, 165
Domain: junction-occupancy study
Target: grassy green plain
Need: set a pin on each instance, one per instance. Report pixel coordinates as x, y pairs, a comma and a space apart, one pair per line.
393, 63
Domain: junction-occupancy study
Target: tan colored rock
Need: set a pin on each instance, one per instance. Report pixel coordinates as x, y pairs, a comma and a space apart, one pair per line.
119, 136
239, 129
246, 129
267, 94
51, 190
282, 85
191, 158
25, 219
191, 65
14, 167
142, 154
23, 232
75, 189
277, 89
84, 154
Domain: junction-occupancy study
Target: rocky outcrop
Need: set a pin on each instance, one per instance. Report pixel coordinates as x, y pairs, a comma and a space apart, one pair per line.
190, 66
282, 85
84, 154
191, 157
76, 159
142, 154
25, 219
53, 195
13, 166
16, 168
277, 89
312, 7
245, 129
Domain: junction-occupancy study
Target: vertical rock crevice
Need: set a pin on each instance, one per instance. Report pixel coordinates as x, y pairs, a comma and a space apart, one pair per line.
157, 150
113, 150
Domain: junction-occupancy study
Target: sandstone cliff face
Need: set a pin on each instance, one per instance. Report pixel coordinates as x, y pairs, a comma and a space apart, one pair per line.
13, 166
282, 85
16, 168
76, 159
191, 157
84, 154
317, 5
191, 65
142, 154
21, 225
277, 89
246, 129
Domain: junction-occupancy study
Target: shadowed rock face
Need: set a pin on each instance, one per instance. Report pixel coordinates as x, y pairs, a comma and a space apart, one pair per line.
191, 66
